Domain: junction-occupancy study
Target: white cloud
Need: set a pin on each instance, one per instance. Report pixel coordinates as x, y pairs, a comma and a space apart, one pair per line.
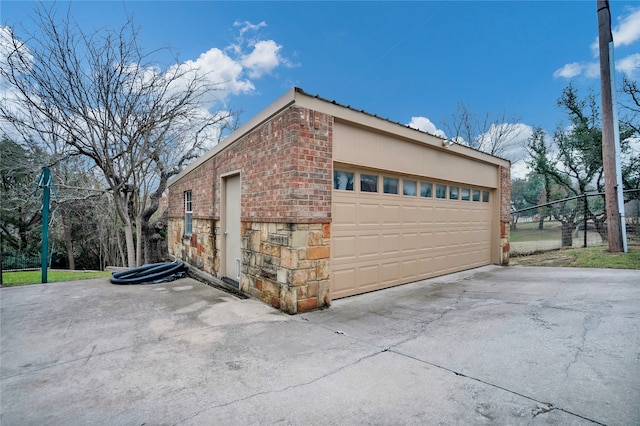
221, 70
568, 71
592, 70
629, 65
514, 146
628, 30
248, 26
519, 170
263, 59
625, 33
425, 125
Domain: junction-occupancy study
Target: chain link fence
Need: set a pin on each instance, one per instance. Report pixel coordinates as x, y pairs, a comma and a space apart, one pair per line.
572, 222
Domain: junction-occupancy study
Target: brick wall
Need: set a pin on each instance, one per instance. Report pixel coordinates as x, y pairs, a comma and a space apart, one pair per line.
505, 213
286, 168
286, 174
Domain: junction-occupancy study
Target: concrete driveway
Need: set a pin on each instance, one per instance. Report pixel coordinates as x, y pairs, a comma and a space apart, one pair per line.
494, 345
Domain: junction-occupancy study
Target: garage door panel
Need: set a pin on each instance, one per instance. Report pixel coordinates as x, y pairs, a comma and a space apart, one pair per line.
390, 244
410, 215
389, 272
390, 215
344, 247
342, 281
344, 214
410, 242
369, 245
425, 266
440, 239
425, 215
368, 214
409, 268
440, 215
368, 275
382, 240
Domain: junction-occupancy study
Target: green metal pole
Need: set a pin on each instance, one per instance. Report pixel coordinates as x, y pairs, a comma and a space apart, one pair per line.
45, 183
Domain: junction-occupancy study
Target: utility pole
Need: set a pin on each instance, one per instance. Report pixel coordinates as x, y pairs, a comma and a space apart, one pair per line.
605, 42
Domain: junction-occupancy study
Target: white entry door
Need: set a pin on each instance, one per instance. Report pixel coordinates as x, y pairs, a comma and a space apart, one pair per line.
232, 235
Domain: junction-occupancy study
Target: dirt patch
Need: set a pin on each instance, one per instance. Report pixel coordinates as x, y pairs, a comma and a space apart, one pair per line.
550, 258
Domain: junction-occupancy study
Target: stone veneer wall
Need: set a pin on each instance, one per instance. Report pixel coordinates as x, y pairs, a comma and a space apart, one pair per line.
199, 249
287, 265
505, 214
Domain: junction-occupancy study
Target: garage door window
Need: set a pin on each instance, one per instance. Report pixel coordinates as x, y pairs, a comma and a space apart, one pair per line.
464, 194
426, 189
342, 180
476, 195
485, 196
453, 192
368, 183
390, 185
409, 187
441, 191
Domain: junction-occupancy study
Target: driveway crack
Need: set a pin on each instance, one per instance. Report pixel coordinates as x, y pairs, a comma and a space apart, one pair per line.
543, 407
591, 322
274, 391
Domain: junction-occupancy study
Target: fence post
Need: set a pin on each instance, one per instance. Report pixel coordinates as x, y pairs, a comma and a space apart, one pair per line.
584, 215
45, 183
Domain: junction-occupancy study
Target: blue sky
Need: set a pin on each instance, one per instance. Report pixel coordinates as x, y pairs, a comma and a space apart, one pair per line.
398, 60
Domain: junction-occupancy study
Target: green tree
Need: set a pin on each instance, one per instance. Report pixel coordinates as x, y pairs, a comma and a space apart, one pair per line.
525, 193
630, 119
20, 210
571, 163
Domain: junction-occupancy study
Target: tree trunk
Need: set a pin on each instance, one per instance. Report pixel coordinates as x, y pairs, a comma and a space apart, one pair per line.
154, 243
567, 234
131, 247
68, 242
119, 247
139, 237
120, 202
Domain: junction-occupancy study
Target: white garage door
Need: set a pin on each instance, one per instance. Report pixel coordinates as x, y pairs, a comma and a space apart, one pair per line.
381, 238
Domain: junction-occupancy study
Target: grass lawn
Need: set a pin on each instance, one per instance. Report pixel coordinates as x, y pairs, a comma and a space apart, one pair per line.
10, 279
528, 231
590, 257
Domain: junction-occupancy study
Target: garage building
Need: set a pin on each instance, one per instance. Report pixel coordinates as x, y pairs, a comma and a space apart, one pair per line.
312, 201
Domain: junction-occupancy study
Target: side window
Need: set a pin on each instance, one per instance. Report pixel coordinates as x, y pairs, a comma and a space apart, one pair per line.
188, 213
426, 189
476, 195
368, 183
453, 192
409, 187
465, 194
441, 191
343, 180
390, 185
485, 196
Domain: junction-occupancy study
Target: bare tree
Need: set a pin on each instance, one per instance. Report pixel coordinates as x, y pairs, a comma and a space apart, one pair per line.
101, 94
482, 132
